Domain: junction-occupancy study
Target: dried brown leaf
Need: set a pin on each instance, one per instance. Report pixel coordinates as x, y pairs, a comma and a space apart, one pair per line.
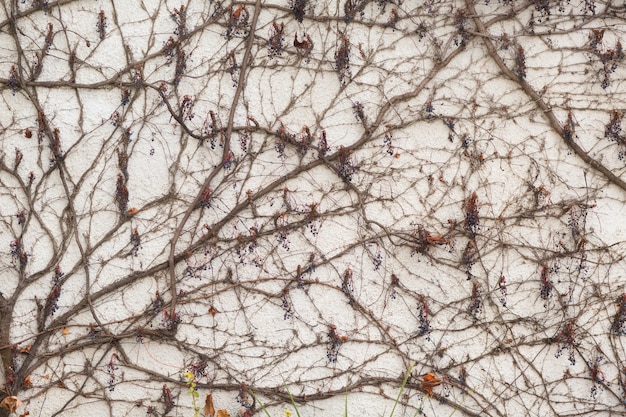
209, 409
11, 403
429, 381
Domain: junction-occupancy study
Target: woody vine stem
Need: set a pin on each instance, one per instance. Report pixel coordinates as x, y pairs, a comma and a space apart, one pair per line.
206, 196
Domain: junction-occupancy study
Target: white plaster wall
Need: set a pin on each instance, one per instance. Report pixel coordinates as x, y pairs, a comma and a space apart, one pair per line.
245, 327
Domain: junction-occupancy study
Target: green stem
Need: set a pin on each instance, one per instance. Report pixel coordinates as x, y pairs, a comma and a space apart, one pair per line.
406, 378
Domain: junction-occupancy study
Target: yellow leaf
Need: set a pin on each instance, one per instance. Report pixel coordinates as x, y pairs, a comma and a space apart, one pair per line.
11, 403
65, 331
222, 413
209, 410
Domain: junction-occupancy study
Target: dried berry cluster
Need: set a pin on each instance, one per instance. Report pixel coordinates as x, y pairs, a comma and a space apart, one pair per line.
503, 290
243, 396
388, 141
423, 316
469, 258
111, 368
476, 301
345, 168
299, 9
613, 131
276, 39
286, 303
546, 287
353, 7
460, 22
18, 253
472, 220
334, 343
167, 399
135, 241
52, 301
237, 24
566, 340
520, 62
213, 129
597, 375
395, 283
186, 108
121, 190
13, 82
619, 322
342, 59
323, 147
101, 25
609, 57
347, 285
173, 48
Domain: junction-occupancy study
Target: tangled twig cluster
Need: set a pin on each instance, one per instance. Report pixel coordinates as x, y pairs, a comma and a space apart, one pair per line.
220, 208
